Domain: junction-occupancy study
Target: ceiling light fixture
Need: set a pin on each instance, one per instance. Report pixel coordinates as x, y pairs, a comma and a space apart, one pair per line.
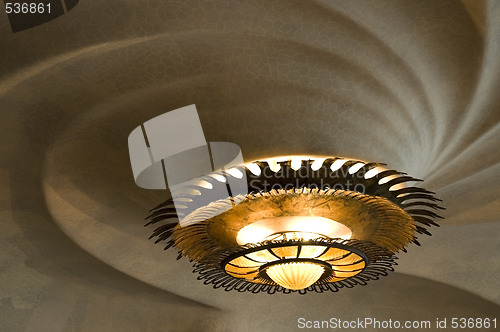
300, 227
287, 224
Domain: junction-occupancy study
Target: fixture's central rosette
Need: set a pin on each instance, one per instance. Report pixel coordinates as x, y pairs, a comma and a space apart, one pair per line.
303, 224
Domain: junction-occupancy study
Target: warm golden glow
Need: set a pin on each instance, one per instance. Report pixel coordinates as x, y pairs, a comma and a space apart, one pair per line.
295, 276
292, 227
317, 162
344, 264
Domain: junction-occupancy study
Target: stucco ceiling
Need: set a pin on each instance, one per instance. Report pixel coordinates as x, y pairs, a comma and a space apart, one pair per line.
414, 84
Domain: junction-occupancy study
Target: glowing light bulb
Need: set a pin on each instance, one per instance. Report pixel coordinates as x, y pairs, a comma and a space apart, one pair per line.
293, 227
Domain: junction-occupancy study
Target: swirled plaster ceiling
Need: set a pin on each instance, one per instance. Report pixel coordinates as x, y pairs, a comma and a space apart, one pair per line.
414, 84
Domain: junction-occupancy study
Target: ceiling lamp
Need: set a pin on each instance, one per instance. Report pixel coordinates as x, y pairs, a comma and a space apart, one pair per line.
286, 224
305, 224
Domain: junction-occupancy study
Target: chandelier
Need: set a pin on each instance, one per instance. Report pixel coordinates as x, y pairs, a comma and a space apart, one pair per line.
298, 224
306, 235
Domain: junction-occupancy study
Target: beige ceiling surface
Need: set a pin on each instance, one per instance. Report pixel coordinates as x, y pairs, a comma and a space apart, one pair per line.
414, 84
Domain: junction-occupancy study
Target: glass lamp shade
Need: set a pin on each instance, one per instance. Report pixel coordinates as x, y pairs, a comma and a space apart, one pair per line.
295, 275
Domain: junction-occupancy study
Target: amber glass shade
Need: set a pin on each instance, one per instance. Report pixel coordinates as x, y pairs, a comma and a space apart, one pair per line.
296, 275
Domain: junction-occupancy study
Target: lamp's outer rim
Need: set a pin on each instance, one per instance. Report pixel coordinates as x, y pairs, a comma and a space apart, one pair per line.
415, 206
